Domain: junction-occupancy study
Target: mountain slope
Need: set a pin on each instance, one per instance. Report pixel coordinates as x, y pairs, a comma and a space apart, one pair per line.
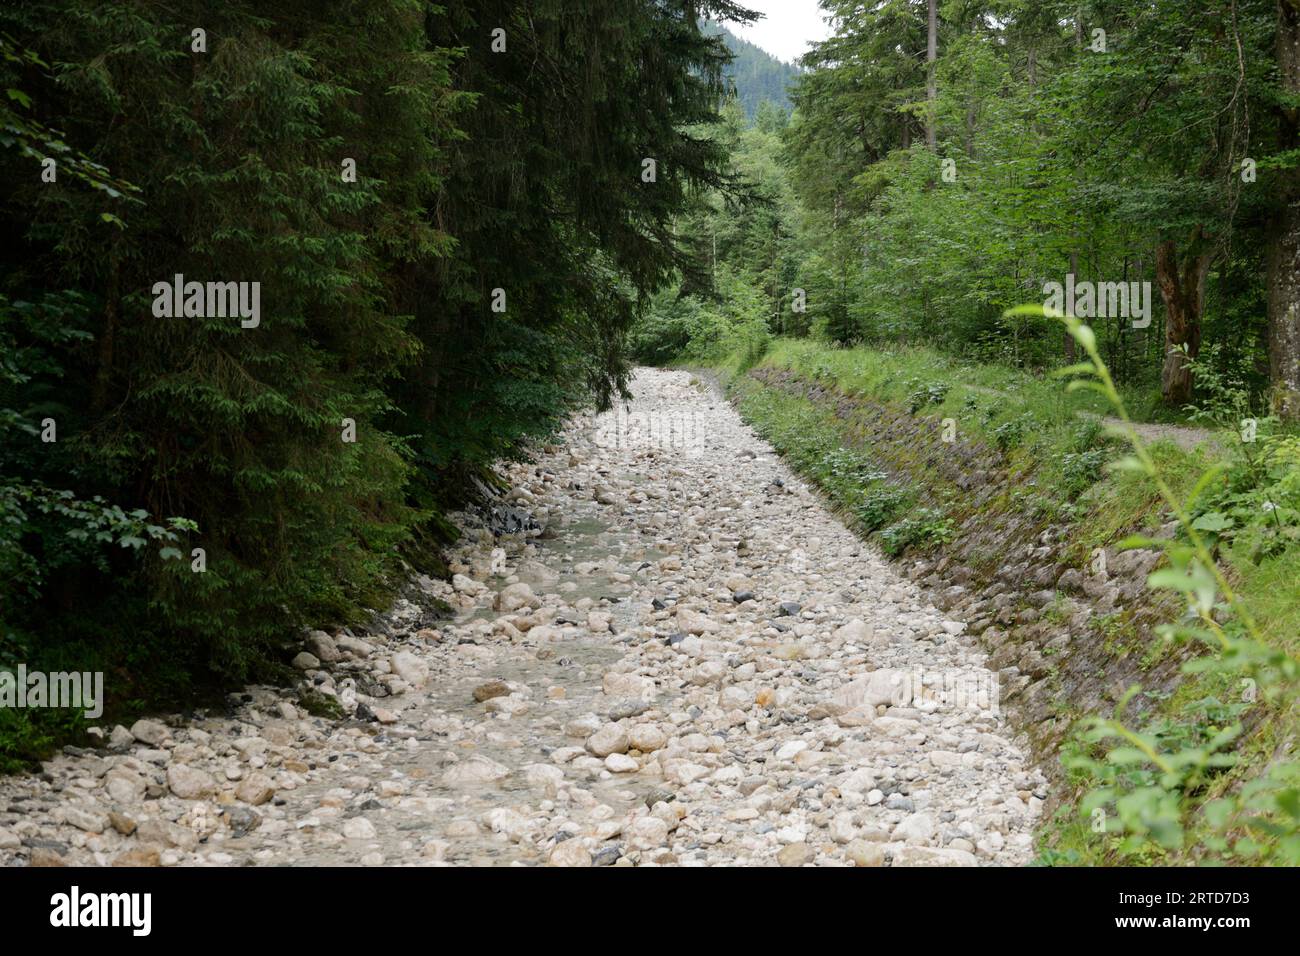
757, 74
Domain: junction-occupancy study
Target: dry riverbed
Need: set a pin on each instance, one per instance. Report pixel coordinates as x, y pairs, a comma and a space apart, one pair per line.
688, 661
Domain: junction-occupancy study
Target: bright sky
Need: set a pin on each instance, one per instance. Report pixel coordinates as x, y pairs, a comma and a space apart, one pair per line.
786, 30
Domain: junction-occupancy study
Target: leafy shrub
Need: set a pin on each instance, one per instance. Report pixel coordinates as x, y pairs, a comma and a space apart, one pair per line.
845, 464
877, 508
1082, 469
1222, 393
665, 329
929, 393
1011, 433
1257, 501
924, 528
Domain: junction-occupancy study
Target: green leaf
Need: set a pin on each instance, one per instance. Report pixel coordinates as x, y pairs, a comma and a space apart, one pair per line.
1213, 521
1124, 756
1171, 578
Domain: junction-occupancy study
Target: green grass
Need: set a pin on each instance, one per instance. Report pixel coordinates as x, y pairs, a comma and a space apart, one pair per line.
1032, 419
893, 375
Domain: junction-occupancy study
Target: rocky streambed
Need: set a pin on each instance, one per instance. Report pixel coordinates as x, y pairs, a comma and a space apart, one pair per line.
688, 661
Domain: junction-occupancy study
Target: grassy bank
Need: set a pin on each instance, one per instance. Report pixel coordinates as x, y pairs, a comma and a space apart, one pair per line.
923, 453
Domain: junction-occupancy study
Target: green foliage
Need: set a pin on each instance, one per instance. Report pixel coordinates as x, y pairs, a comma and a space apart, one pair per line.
1255, 503
1156, 786
923, 528
1049, 158
1082, 468
689, 329
1085, 461
1011, 433
1223, 391
878, 508
475, 172
928, 393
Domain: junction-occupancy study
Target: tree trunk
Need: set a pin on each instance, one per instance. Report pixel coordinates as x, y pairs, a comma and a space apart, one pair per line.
931, 90
1284, 313
1182, 286
1284, 247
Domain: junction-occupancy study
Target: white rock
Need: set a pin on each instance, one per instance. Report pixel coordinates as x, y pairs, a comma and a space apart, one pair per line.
474, 770
933, 856
647, 833
256, 789
359, 828
693, 622
709, 672
355, 646
854, 632
467, 585
543, 775
918, 828
125, 786
90, 819
859, 781
628, 685
323, 646
570, 853
515, 596
608, 740
647, 737
790, 749
151, 732
842, 828
410, 668
189, 783
878, 687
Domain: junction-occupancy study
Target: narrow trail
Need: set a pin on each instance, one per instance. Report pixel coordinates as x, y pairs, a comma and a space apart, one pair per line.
693, 663
1186, 437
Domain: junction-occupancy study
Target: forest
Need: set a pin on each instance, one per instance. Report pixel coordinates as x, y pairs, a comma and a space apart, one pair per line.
450, 234
939, 170
286, 291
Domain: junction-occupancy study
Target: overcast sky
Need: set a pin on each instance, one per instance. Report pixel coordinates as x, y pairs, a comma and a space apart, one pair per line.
787, 29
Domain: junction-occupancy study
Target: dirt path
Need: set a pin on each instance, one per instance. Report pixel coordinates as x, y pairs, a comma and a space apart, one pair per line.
1184, 436
694, 663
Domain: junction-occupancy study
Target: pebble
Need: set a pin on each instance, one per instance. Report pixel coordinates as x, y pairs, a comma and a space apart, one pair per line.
796, 854
696, 664
359, 828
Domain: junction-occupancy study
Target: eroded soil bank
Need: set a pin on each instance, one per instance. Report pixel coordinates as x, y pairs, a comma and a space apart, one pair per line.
1068, 627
